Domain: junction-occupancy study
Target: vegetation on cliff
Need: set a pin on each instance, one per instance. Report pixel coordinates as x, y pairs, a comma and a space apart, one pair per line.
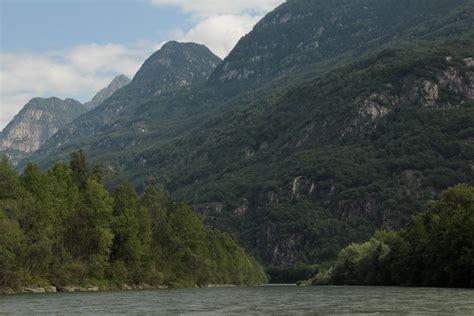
435, 250
61, 227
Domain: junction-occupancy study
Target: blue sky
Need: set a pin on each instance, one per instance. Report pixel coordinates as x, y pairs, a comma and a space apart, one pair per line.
73, 48
41, 26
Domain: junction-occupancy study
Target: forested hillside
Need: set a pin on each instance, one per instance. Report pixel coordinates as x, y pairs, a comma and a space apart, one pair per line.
327, 121
436, 249
61, 227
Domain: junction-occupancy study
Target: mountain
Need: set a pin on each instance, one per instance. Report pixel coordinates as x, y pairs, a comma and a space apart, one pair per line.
327, 121
39, 119
301, 34
325, 162
116, 84
174, 67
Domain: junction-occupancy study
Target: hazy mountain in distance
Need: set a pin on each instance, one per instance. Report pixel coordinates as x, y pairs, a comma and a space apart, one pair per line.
174, 67
41, 118
38, 120
117, 83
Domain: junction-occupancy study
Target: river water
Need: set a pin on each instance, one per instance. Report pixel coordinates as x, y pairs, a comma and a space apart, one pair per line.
273, 300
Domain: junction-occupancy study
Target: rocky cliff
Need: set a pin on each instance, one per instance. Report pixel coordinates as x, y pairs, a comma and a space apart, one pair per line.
39, 119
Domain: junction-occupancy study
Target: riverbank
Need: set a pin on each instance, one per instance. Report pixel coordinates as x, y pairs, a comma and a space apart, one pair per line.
96, 288
72, 288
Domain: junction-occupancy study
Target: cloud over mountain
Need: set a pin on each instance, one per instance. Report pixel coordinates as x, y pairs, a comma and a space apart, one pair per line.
219, 24
79, 71
76, 72
205, 8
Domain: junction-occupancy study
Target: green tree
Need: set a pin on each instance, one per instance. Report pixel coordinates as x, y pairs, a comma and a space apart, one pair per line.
128, 247
57, 229
79, 169
88, 235
12, 251
436, 248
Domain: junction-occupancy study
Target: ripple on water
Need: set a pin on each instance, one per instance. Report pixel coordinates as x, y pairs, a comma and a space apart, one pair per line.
249, 301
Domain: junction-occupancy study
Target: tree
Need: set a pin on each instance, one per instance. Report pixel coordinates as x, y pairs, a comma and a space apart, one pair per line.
10, 187
56, 228
88, 234
127, 246
436, 248
12, 248
79, 169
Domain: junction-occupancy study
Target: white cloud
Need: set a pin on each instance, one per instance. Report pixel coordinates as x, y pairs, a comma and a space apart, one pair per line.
219, 24
220, 33
205, 8
80, 71
77, 72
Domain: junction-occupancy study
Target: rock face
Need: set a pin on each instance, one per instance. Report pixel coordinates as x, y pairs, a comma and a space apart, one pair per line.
116, 84
36, 122
41, 118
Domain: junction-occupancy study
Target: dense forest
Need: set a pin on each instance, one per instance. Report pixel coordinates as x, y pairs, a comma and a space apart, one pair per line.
436, 249
61, 227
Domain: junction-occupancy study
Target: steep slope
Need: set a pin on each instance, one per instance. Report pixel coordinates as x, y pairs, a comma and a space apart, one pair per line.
175, 67
302, 149
299, 34
326, 161
280, 48
116, 84
39, 119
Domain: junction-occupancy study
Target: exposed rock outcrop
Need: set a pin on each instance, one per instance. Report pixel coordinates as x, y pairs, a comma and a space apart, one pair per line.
242, 209
41, 118
429, 93
37, 121
469, 62
377, 106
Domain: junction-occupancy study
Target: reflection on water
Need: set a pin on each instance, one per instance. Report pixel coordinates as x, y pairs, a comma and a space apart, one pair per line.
249, 301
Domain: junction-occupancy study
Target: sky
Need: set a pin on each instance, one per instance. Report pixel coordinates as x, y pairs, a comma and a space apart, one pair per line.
73, 48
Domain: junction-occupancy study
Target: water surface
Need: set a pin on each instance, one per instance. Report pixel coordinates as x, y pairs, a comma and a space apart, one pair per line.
281, 300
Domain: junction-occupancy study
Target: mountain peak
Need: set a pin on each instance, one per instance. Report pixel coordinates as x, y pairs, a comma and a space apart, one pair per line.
120, 79
181, 45
171, 44
116, 84
39, 119
175, 65
303, 33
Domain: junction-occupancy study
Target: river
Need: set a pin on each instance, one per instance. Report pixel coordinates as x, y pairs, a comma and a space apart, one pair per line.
281, 300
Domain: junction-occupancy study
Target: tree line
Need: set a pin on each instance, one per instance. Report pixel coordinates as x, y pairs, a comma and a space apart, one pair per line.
436, 249
62, 227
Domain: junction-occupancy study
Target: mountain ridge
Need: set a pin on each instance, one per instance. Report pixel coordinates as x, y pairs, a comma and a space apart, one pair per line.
174, 67
299, 159
117, 83
41, 118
